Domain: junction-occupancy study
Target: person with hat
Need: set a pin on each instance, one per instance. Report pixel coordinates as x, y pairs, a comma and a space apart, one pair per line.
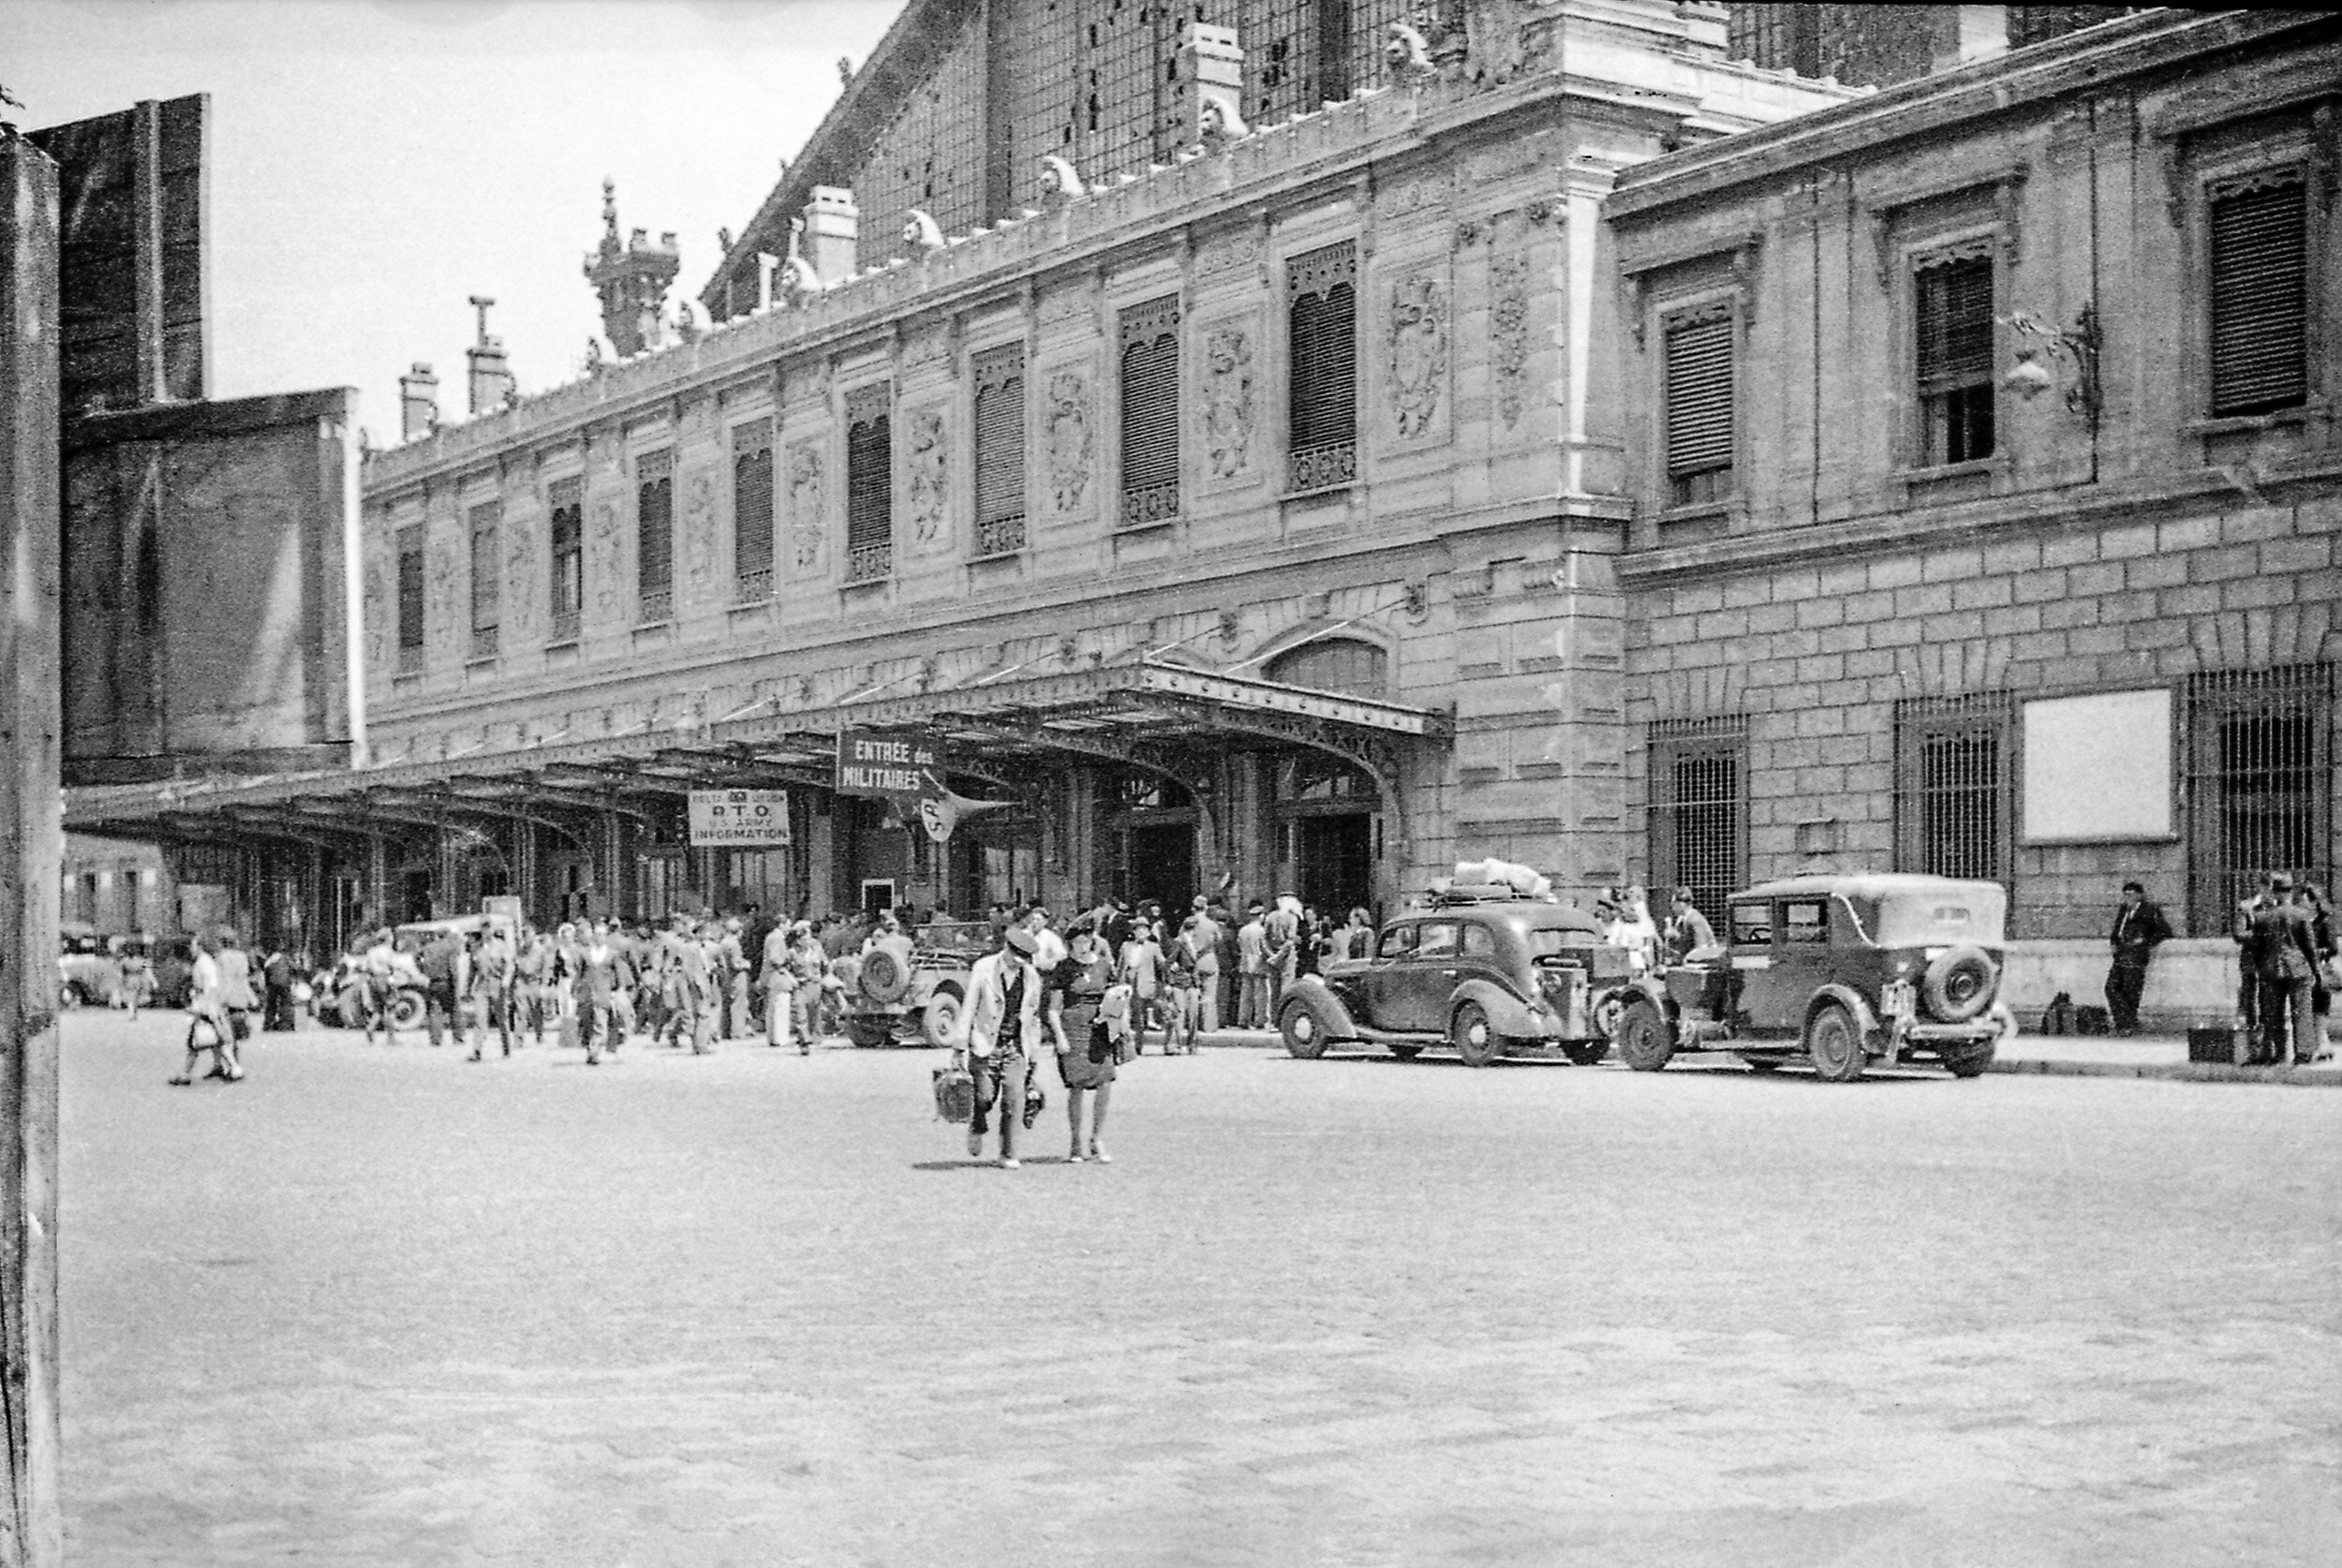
777, 979
1087, 1055
808, 967
2283, 963
996, 1035
2139, 928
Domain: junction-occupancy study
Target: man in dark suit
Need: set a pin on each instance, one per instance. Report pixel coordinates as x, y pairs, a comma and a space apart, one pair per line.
2282, 959
2139, 928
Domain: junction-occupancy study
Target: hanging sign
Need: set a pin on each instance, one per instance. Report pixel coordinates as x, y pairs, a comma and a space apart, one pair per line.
739, 818
904, 767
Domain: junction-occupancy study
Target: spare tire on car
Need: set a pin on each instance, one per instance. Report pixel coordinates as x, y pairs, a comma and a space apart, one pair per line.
1958, 985
885, 978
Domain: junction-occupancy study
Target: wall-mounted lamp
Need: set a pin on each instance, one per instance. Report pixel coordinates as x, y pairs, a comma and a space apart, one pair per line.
2029, 377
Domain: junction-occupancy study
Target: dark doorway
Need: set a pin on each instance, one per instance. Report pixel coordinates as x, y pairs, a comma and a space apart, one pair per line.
1335, 862
415, 894
1161, 866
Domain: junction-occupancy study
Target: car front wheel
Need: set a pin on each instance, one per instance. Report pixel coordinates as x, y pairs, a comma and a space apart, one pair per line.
407, 1011
1474, 1038
1643, 1041
940, 1016
1836, 1045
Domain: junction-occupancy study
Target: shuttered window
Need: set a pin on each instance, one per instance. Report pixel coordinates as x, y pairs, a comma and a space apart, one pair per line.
869, 484
1000, 377
1322, 289
752, 512
568, 541
2259, 294
1699, 396
1953, 301
486, 588
654, 536
1151, 412
409, 600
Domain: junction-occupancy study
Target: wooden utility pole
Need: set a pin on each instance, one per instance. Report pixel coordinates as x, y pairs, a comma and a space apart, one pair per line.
31, 845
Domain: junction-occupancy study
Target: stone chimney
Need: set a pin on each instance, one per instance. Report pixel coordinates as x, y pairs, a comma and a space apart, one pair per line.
832, 225
1211, 71
491, 382
418, 403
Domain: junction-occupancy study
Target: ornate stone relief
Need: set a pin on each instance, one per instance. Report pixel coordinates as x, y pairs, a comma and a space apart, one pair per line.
521, 595
377, 614
1418, 352
698, 521
808, 517
1228, 400
1066, 439
602, 561
1508, 333
1238, 254
928, 473
442, 619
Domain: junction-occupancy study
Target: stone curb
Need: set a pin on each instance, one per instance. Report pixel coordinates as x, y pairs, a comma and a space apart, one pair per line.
2184, 1072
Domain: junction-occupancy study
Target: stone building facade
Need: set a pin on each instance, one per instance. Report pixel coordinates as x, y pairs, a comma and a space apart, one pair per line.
1241, 512
1985, 485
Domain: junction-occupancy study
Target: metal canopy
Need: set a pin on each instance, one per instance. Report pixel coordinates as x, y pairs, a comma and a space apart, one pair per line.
1146, 713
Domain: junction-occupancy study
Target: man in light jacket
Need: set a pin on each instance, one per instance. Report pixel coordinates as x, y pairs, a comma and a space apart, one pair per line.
997, 1037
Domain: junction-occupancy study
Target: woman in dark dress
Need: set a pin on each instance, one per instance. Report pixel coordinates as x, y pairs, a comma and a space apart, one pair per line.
1086, 1058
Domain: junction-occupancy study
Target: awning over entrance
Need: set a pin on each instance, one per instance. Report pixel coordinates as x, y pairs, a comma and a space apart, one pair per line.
1150, 713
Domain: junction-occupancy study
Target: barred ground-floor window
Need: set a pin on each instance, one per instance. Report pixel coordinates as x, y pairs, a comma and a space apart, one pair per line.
1698, 795
1954, 799
2260, 775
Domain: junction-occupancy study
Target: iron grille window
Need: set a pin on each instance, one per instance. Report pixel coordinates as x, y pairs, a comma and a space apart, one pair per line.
410, 630
2260, 780
1954, 318
2259, 294
1151, 412
654, 536
486, 588
1954, 791
869, 484
1699, 395
752, 512
998, 375
1698, 809
566, 502
1322, 301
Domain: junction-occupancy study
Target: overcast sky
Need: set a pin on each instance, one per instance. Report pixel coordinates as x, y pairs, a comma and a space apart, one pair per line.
373, 162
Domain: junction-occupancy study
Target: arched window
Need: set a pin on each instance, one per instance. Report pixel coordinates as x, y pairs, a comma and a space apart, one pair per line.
1343, 664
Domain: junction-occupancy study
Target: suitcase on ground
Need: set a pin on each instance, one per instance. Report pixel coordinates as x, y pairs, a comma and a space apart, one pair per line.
2222, 1043
2092, 1020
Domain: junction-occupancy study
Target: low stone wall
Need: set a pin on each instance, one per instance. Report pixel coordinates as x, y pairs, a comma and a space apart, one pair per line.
2192, 979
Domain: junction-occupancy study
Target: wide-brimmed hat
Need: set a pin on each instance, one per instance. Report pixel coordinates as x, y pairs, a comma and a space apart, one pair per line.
1022, 940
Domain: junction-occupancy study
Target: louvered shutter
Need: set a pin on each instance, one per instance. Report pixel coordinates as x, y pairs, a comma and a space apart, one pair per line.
999, 380
409, 591
1151, 412
1955, 323
568, 557
1699, 393
486, 599
869, 484
1322, 329
753, 509
2259, 298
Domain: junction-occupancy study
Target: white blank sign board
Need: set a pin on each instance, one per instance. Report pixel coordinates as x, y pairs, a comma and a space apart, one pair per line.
2098, 768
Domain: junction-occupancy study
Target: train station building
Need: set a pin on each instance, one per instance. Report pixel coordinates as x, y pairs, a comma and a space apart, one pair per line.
1338, 441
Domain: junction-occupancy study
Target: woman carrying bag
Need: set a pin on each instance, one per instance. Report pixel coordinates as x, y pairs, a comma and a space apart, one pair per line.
1086, 1055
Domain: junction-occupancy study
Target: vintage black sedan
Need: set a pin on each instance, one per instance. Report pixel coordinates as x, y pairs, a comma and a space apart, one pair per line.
1841, 972
1483, 970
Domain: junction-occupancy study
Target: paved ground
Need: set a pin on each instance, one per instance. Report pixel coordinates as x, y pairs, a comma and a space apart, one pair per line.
383, 1307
